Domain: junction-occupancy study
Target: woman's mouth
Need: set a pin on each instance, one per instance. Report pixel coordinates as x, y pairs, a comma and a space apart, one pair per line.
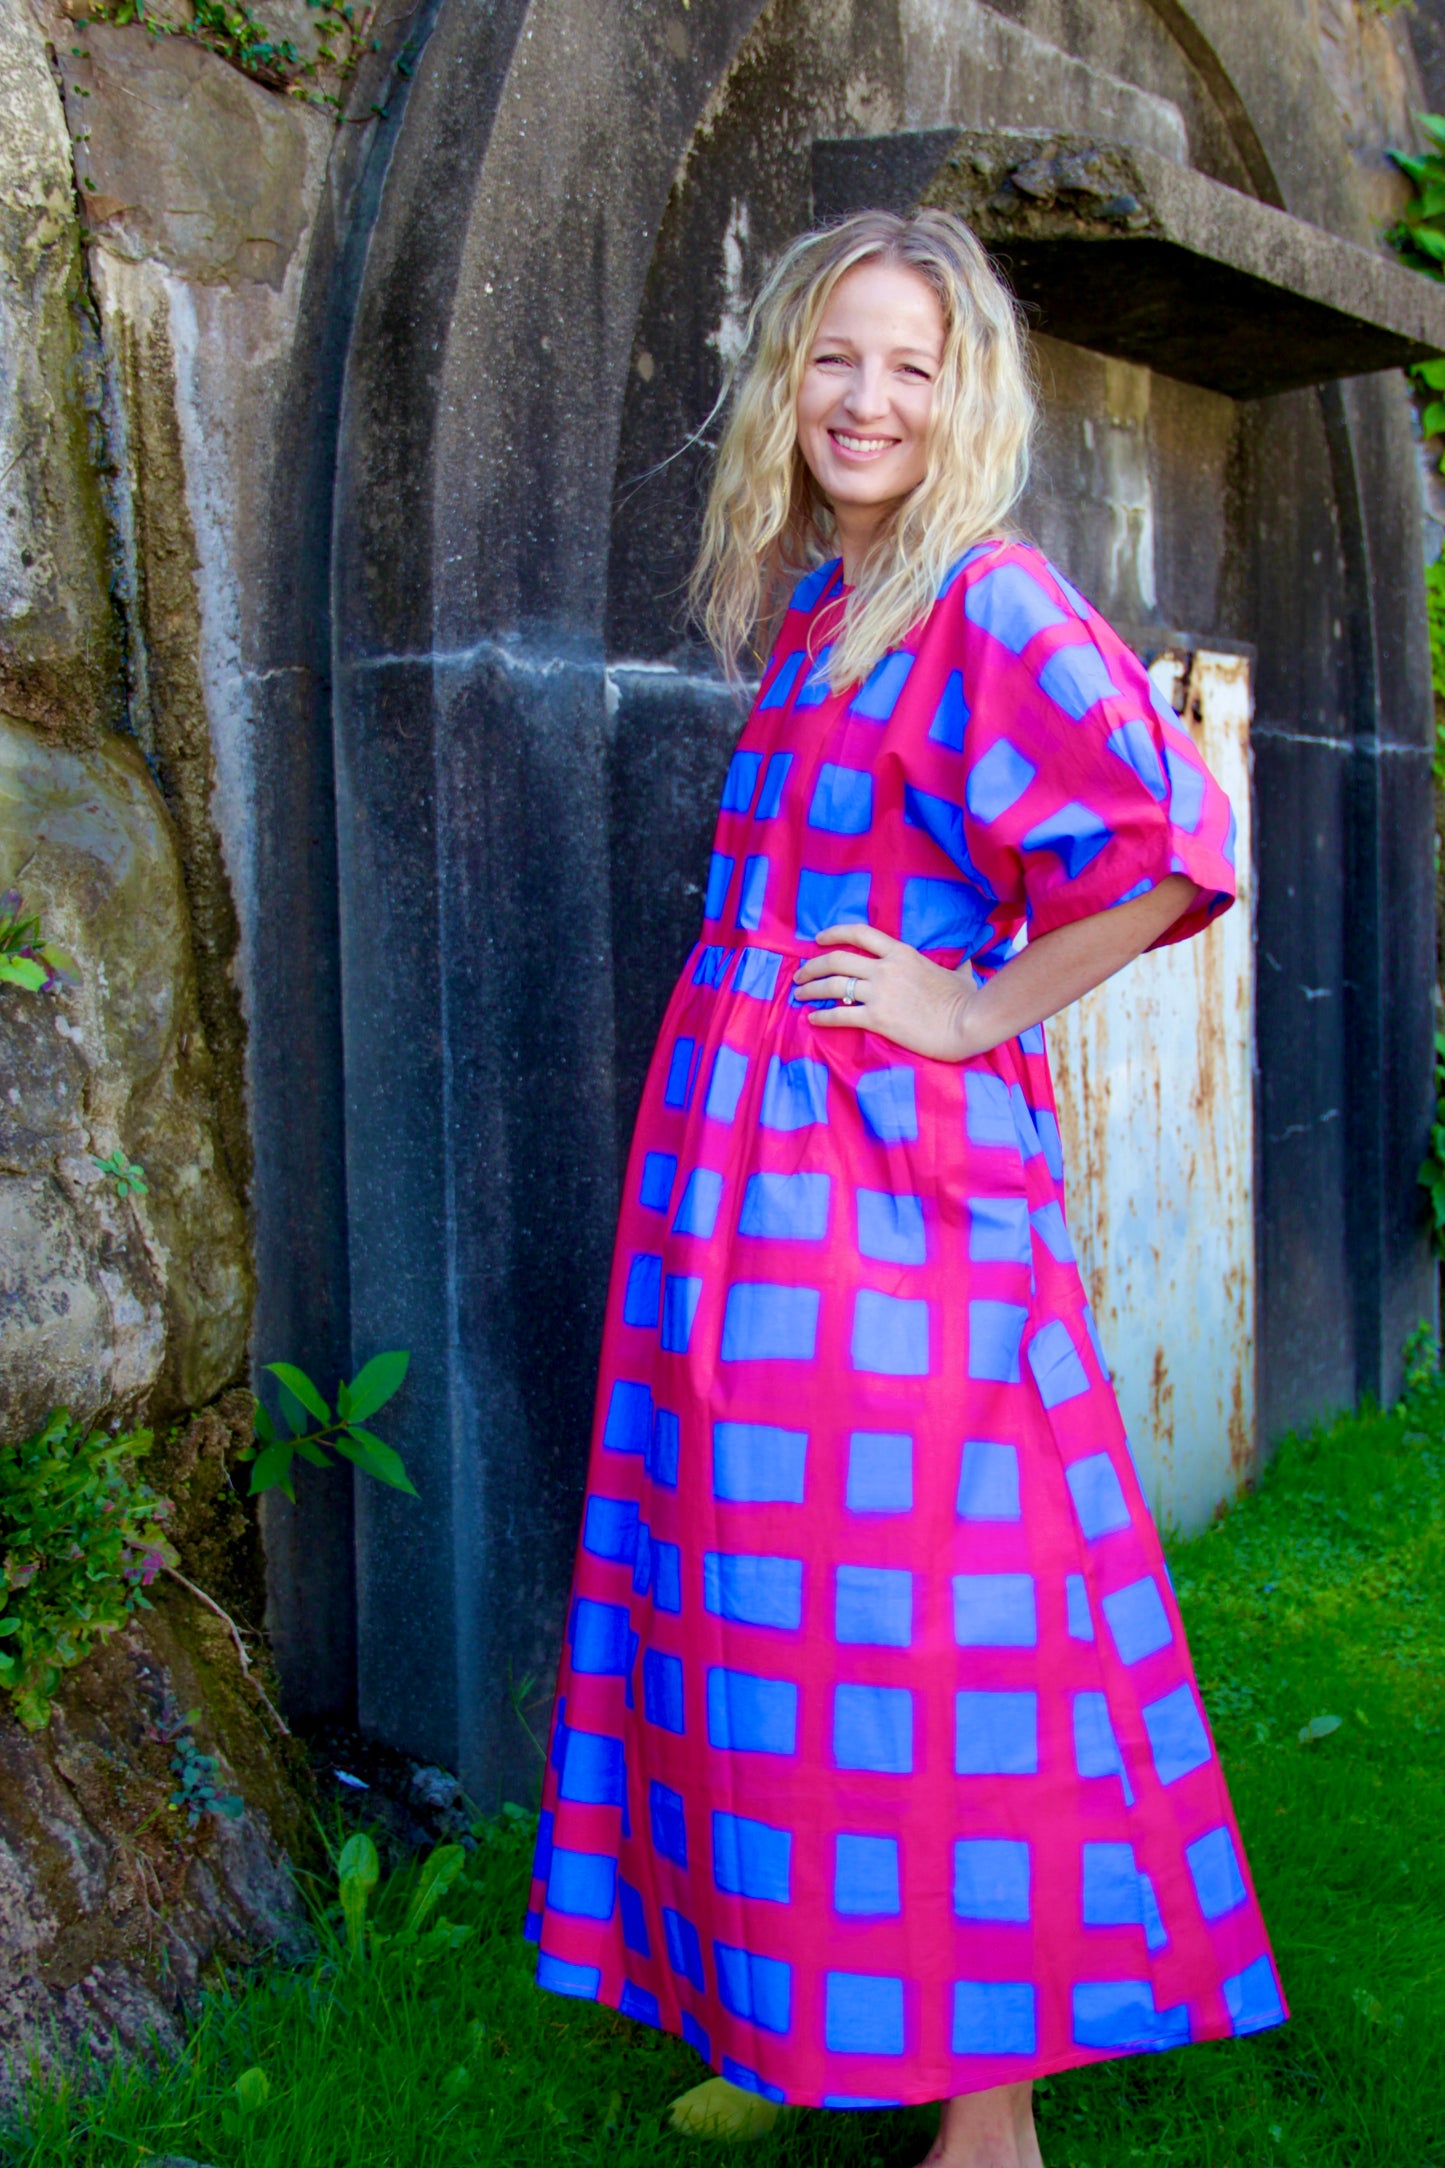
861, 447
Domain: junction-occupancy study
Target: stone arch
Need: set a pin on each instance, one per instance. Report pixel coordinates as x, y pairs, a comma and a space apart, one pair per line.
507, 792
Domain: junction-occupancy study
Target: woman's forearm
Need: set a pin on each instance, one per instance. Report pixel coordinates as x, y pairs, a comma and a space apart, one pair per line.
1057, 968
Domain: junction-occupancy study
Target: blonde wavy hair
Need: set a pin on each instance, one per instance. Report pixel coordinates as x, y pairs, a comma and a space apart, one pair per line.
767, 521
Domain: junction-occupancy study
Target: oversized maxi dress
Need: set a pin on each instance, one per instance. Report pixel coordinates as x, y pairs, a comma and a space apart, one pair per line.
878, 1770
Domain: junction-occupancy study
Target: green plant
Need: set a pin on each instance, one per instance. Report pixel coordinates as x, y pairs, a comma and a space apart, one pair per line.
129, 1179
1419, 232
81, 1539
27, 958
1432, 1167
196, 1792
236, 35
310, 1426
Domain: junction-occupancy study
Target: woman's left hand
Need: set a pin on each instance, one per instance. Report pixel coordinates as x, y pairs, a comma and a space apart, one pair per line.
889, 988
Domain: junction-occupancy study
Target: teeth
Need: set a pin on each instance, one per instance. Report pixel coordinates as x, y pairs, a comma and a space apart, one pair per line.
862, 444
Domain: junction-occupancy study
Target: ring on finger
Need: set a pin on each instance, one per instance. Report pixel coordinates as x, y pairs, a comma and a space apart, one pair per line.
850, 994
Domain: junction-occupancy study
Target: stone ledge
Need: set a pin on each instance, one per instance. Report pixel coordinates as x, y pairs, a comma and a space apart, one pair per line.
1113, 247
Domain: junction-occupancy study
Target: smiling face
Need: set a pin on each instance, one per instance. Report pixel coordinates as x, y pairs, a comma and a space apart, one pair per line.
866, 398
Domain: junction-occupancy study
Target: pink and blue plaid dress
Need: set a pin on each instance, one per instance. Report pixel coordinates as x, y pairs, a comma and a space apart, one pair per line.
878, 1771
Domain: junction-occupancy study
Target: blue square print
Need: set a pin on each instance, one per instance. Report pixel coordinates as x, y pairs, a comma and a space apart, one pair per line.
995, 1330
600, 1635
1098, 1496
666, 1577
725, 1084
891, 1228
583, 1884
784, 679
667, 1818
842, 801
752, 1858
991, 1879
873, 1729
609, 1529
995, 1734
988, 1114
564, 1978
642, 1294
786, 1207
997, 780
795, 1094
1076, 679
677, 1092
719, 873
747, 1714
993, 2017
758, 1464
950, 717
988, 1482
1012, 606
659, 1170
663, 1448
742, 781
887, 1103
753, 1591
1076, 1599
634, 1918
880, 1472
765, 1322
629, 1418
873, 1607
942, 914
866, 1883
998, 1230
680, 1297
1122, 2014
994, 1611
880, 690
757, 973
1252, 1999
1178, 1740
755, 1988
684, 1950
748, 2081
770, 797
594, 1770
831, 899
752, 890
1111, 1892
1137, 1620
863, 2014
1096, 1750
890, 1335
1214, 1869
697, 1213
695, 2036
641, 2003
662, 1690
1054, 1361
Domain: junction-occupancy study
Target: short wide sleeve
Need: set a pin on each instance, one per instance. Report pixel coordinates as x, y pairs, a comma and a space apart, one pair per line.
1081, 789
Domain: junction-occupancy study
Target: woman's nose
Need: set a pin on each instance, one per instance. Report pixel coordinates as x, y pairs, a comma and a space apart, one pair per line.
867, 396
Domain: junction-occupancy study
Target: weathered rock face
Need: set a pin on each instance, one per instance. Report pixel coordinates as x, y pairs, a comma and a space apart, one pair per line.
111, 1905
60, 660
107, 1304
181, 159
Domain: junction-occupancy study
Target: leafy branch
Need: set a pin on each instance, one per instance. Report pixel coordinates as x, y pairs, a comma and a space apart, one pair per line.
129, 1179
310, 1427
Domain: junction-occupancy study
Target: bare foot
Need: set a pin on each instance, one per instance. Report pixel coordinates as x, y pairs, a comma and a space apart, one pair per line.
987, 2130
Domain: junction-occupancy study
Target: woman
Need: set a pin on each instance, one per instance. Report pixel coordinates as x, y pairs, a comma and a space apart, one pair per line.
878, 1768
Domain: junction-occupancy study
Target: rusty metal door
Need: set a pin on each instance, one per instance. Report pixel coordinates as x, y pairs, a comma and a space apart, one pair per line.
1155, 1079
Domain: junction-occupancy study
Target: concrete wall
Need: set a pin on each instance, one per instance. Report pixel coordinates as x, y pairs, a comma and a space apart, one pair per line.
364, 563
529, 748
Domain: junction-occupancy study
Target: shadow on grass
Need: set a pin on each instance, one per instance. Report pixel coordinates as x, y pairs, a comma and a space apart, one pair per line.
1318, 1595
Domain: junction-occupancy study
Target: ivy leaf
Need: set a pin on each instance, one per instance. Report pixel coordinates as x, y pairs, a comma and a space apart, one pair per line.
263, 1426
23, 971
1319, 1727
375, 1383
1432, 421
297, 1382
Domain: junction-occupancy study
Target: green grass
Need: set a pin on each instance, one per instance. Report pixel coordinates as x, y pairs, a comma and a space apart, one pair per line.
1319, 1595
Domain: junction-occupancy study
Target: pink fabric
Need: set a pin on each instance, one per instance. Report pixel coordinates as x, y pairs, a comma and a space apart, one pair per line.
878, 1770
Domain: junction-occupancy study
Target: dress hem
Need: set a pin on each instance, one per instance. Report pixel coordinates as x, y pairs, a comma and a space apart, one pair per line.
1037, 2067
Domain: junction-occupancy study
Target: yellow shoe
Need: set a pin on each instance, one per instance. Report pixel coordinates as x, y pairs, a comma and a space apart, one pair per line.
717, 2109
